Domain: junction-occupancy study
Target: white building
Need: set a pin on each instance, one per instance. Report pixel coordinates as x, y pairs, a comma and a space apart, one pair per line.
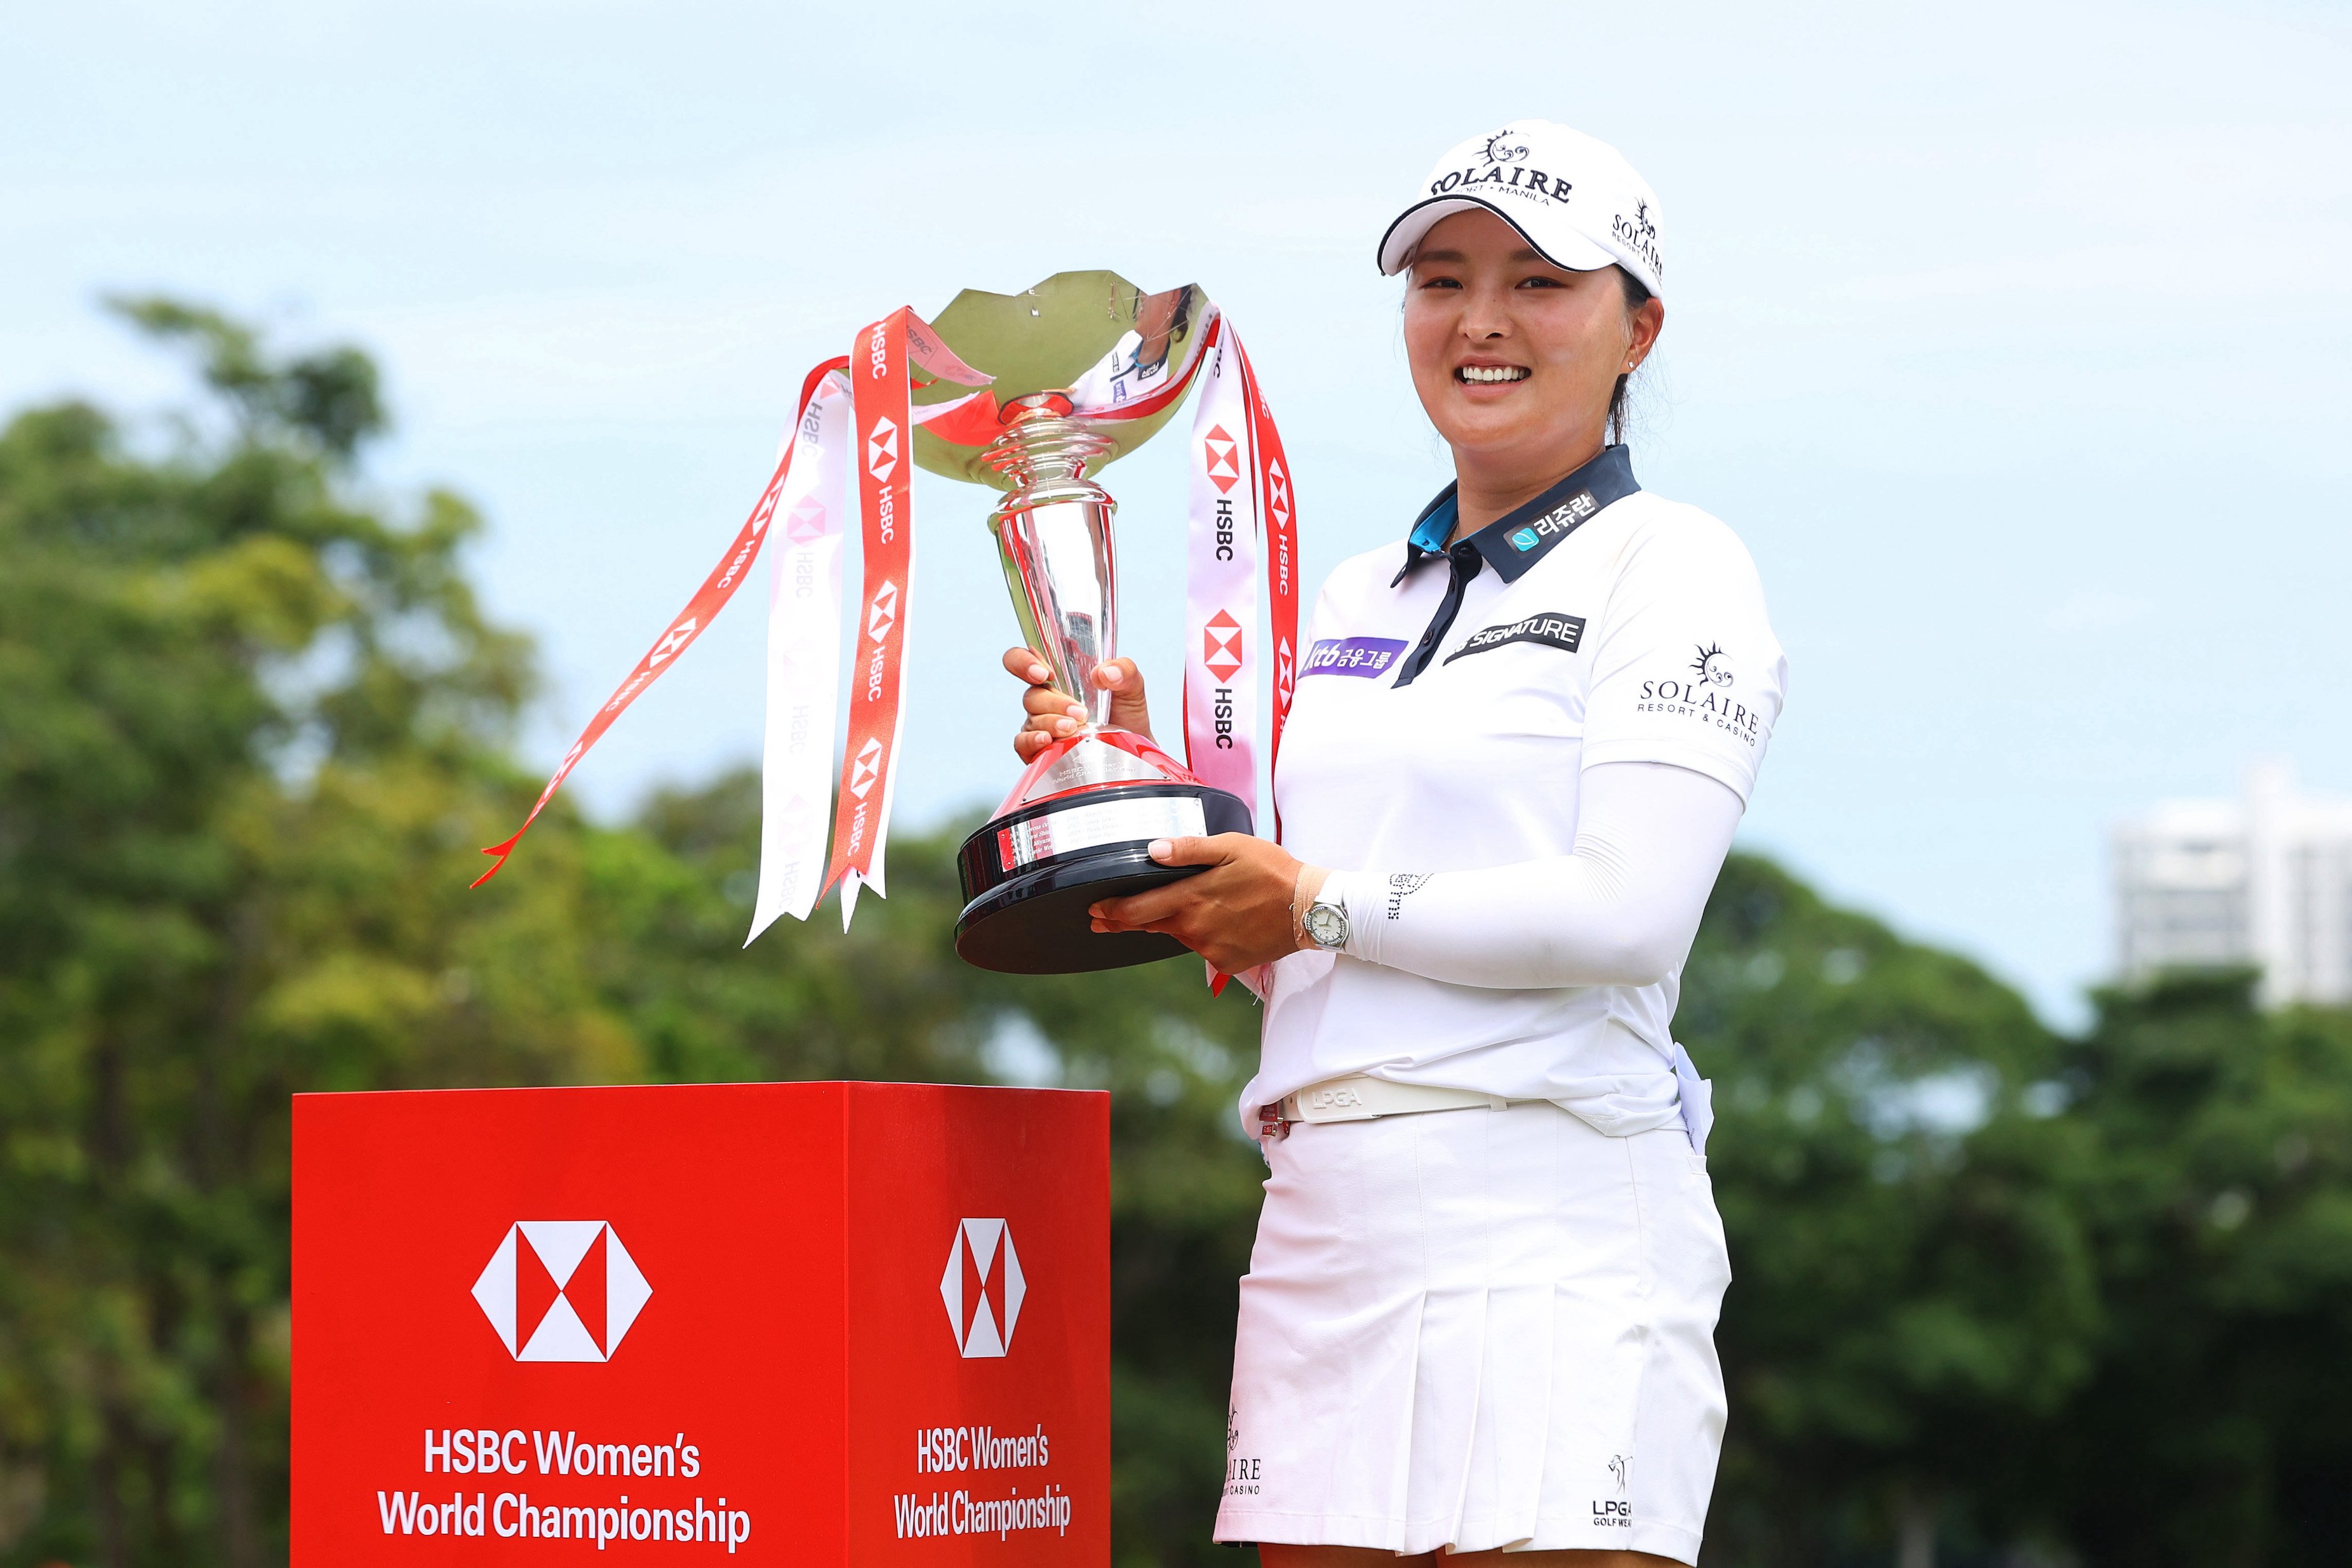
2265, 880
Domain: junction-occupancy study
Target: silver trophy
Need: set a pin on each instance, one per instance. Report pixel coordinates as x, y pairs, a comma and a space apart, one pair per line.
1074, 358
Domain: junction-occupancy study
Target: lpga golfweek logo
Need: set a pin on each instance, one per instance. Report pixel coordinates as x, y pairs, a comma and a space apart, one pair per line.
1616, 1511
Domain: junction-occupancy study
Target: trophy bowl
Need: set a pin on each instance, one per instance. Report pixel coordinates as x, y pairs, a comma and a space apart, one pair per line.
1086, 367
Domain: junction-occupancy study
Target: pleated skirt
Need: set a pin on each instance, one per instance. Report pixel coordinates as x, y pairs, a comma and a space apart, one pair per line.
1477, 1330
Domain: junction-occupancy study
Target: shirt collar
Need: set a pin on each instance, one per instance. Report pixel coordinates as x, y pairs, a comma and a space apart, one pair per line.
1515, 541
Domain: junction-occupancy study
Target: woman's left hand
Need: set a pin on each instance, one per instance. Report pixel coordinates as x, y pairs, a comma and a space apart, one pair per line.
1236, 914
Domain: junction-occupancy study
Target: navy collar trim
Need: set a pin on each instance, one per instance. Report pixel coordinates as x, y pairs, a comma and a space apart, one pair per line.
1515, 541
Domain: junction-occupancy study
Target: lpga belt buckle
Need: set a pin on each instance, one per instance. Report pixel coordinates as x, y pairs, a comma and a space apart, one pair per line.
1330, 1103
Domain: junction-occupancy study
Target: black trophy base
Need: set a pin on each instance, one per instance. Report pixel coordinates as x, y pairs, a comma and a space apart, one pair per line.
1025, 897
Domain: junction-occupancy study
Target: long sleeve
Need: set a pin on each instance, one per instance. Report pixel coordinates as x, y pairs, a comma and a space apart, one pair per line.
1620, 909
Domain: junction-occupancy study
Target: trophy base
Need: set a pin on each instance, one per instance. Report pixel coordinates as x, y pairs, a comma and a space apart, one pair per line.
1030, 874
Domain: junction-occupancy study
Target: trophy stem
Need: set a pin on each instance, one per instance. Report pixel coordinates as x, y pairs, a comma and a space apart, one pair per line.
1054, 537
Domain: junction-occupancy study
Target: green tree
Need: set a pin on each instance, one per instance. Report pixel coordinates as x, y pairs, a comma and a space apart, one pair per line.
1912, 1287
2218, 1424
244, 723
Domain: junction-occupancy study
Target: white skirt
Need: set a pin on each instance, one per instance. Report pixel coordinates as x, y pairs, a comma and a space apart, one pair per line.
1479, 1329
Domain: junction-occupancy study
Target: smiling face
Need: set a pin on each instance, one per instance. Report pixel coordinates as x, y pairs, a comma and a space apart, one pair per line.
1515, 359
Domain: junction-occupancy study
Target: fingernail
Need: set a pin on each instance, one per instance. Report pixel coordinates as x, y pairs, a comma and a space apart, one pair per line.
1064, 725
1161, 848
1039, 674
1075, 711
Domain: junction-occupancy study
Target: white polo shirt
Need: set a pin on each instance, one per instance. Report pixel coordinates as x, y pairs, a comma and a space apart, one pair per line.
1444, 715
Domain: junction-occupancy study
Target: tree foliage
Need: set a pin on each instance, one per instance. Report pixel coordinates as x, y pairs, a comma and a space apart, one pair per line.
1994, 1288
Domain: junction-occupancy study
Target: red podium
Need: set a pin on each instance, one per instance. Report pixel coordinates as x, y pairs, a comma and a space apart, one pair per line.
806, 1323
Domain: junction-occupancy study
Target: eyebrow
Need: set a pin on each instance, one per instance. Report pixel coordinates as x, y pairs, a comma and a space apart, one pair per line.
1524, 254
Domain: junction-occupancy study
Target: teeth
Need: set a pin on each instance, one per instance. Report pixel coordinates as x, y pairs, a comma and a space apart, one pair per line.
1492, 374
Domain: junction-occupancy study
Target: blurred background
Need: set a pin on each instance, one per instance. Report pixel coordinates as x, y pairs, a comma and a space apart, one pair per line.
374, 382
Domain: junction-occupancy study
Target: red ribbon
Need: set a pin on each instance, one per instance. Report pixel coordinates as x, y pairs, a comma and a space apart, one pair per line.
688, 624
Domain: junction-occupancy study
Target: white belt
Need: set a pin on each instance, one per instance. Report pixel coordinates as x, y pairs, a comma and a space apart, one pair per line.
1357, 1098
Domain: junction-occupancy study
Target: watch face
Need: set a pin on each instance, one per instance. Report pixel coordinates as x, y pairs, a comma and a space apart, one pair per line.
1328, 925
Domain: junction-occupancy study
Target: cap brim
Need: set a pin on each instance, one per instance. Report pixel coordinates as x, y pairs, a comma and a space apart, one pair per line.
1570, 252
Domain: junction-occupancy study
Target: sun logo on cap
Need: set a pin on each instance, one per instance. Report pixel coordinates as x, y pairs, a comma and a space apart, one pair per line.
1496, 151
1641, 220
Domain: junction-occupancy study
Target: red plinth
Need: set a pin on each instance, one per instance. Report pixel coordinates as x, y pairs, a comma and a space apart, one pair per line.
807, 1323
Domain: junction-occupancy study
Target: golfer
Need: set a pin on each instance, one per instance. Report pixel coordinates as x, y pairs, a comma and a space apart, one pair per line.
1480, 1311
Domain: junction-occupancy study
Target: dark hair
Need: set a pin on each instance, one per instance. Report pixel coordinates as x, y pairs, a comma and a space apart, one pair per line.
1637, 295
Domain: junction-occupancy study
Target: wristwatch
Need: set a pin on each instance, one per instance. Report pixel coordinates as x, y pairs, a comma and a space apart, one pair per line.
1325, 922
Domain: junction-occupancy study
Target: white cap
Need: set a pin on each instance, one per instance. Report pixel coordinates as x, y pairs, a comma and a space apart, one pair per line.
1576, 199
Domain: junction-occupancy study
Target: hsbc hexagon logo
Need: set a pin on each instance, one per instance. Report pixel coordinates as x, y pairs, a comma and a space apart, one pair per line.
562, 1290
982, 1286
805, 521
1221, 646
1223, 456
882, 450
867, 768
882, 613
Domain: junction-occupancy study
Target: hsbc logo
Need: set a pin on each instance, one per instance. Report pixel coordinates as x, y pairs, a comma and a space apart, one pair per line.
882, 450
1223, 456
805, 521
982, 1286
867, 768
883, 611
562, 1290
673, 639
1277, 494
1221, 648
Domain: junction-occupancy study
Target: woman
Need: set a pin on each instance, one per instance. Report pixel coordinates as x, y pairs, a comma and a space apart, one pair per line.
1480, 1309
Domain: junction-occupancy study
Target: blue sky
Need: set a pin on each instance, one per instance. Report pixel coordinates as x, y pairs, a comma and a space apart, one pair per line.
2016, 341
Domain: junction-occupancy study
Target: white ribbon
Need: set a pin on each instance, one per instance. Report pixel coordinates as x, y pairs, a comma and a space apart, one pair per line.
803, 662
1221, 590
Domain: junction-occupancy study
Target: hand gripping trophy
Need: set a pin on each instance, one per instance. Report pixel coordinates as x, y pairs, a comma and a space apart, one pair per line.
1031, 393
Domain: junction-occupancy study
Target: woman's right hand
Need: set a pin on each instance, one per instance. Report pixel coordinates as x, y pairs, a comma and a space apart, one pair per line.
1053, 717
